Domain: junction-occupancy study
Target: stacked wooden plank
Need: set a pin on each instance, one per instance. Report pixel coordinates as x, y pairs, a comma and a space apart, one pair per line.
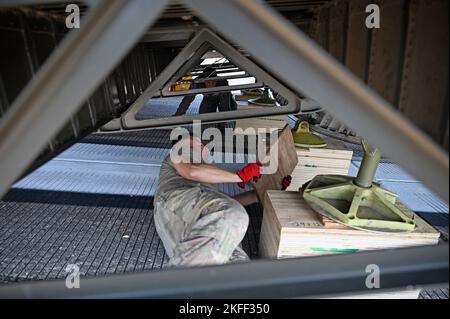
290, 228
335, 159
268, 124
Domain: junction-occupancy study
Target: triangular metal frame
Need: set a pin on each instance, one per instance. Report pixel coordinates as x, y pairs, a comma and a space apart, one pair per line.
192, 63
186, 59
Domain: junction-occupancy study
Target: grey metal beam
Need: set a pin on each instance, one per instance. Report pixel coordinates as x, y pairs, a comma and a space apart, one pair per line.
299, 277
309, 69
193, 60
69, 76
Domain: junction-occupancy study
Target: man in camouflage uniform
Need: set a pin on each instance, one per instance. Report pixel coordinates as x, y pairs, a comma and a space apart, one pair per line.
198, 224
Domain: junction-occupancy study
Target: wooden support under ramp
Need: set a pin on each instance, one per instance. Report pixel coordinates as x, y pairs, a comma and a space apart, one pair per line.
291, 228
335, 159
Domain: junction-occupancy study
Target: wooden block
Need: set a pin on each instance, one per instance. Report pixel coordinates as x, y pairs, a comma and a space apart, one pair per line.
329, 223
335, 159
290, 228
287, 161
271, 124
319, 162
335, 149
313, 171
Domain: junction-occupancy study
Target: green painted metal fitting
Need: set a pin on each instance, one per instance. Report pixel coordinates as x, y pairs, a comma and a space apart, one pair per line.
368, 166
304, 138
358, 202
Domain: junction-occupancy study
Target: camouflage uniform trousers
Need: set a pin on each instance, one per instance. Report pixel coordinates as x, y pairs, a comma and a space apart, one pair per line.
200, 226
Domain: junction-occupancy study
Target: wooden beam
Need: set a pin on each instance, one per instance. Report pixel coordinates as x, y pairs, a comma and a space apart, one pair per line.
287, 160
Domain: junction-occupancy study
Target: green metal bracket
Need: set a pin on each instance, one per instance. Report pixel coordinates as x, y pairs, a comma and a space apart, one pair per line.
358, 202
264, 100
304, 138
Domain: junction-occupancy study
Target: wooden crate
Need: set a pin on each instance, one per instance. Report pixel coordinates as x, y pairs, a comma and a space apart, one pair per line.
271, 123
290, 228
335, 159
286, 160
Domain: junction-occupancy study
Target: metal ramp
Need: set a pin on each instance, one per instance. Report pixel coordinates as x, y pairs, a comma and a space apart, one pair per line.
44, 231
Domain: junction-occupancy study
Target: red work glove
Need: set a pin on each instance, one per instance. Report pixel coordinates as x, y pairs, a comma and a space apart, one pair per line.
286, 182
249, 172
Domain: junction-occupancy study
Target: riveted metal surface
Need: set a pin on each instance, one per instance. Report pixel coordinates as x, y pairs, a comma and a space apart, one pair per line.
321, 27
387, 49
358, 39
424, 90
337, 29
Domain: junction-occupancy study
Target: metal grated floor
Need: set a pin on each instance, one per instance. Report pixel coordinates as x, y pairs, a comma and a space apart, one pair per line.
91, 206
54, 229
109, 169
166, 107
41, 232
